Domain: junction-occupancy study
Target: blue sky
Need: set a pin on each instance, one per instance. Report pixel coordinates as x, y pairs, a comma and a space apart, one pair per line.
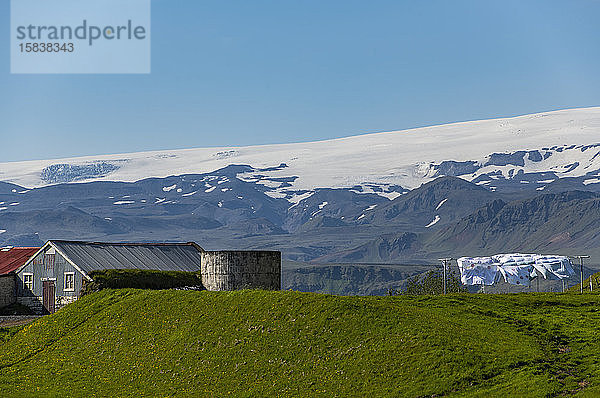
257, 72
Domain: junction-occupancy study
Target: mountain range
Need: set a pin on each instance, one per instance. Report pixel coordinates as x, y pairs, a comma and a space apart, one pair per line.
530, 183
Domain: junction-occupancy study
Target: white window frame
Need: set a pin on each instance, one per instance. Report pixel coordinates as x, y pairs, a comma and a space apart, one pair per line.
25, 275
70, 289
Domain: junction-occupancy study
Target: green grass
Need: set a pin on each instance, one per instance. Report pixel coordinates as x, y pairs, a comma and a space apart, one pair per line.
586, 284
256, 343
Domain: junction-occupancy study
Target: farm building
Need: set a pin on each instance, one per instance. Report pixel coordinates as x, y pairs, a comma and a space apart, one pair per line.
11, 258
54, 275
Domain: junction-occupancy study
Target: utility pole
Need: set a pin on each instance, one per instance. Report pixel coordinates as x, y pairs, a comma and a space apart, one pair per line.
581, 271
445, 262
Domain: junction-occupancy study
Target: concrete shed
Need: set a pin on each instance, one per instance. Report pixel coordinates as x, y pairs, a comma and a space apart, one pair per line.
233, 270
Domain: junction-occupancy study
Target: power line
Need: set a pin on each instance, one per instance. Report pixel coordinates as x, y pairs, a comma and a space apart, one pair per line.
445, 262
581, 270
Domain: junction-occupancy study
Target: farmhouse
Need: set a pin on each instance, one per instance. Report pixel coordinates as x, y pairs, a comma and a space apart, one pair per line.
53, 275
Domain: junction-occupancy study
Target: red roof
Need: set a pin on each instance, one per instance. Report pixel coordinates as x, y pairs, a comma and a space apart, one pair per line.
12, 258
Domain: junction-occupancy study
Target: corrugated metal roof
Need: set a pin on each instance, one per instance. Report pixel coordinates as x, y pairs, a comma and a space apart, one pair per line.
13, 257
94, 256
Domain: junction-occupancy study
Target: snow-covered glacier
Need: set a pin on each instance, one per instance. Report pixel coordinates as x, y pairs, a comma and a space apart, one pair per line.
531, 149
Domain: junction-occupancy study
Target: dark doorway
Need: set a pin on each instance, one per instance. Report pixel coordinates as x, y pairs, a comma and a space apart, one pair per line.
49, 296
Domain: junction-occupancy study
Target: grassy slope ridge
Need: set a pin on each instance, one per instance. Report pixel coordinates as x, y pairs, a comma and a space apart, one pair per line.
256, 343
586, 284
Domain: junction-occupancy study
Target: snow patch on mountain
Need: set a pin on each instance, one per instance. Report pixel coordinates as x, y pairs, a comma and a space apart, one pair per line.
296, 199
441, 204
432, 223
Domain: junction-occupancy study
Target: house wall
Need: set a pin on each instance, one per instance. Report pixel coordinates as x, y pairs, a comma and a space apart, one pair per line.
232, 270
7, 290
47, 265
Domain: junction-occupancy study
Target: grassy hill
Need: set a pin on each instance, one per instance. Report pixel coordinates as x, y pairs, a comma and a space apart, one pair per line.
595, 277
255, 343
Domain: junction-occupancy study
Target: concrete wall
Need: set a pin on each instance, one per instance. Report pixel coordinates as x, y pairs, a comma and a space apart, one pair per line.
7, 290
34, 303
232, 270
